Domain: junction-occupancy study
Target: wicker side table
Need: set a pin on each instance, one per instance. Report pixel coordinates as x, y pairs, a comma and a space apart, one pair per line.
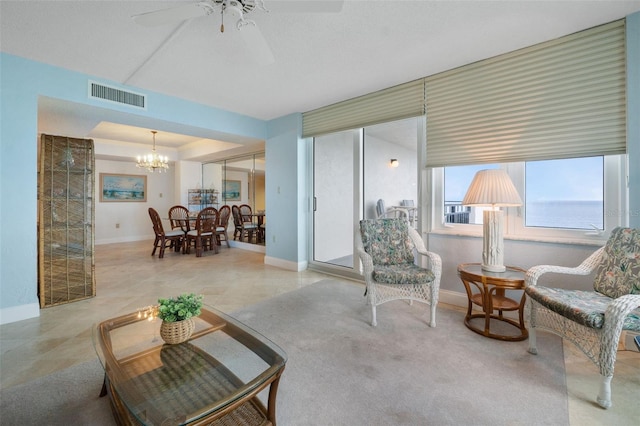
487, 290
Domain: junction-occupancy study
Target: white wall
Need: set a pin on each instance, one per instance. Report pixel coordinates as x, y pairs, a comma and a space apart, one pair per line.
188, 175
392, 184
129, 221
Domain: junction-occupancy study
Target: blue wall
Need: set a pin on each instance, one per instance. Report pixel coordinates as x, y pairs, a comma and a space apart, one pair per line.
22, 83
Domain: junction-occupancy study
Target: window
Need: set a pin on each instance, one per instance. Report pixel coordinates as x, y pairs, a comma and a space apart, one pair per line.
578, 199
565, 193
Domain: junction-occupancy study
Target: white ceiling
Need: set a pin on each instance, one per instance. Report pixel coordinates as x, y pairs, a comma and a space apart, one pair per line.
320, 58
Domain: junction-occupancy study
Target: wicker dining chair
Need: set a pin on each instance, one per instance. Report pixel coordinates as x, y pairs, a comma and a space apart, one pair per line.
204, 234
173, 238
592, 320
223, 222
243, 228
179, 218
386, 249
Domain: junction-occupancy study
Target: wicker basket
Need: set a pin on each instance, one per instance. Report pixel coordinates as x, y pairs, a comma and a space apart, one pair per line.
176, 332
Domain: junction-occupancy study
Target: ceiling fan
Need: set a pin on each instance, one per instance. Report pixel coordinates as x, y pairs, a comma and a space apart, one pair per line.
238, 9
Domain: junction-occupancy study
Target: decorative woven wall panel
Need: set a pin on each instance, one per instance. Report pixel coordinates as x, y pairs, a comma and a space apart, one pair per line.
65, 220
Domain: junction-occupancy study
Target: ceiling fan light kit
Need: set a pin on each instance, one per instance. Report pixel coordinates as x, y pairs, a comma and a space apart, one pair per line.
237, 8
251, 36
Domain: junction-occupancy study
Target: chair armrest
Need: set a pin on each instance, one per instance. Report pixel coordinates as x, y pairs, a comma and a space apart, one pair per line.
619, 308
434, 259
585, 268
367, 260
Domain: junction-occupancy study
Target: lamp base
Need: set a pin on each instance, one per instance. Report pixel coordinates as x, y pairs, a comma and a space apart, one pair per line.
493, 243
494, 268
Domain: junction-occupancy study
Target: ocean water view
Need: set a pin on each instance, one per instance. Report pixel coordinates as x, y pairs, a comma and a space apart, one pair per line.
581, 214
565, 214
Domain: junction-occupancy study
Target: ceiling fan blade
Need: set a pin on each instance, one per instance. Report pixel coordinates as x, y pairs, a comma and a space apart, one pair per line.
257, 45
304, 6
176, 14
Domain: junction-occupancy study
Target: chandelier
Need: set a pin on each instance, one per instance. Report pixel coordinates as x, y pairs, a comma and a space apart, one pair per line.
153, 161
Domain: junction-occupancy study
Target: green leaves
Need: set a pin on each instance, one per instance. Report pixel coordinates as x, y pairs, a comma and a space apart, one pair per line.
180, 308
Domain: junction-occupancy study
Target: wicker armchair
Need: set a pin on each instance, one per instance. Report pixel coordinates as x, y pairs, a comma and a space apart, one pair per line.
592, 320
385, 247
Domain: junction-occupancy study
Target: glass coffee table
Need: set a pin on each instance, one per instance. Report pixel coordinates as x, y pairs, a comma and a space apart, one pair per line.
213, 378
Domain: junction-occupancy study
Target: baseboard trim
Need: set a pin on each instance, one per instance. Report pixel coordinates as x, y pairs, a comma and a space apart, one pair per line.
126, 240
286, 264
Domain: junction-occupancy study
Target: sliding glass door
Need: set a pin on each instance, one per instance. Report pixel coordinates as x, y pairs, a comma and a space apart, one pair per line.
334, 177
352, 172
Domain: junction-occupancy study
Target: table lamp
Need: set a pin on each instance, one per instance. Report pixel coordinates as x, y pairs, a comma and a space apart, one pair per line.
492, 188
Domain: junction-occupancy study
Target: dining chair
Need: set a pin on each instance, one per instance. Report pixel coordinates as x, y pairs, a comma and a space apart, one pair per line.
179, 218
204, 234
246, 212
223, 222
410, 212
242, 229
173, 238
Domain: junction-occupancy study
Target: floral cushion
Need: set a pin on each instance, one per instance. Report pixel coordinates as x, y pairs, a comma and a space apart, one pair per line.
619, 272
406, 273
584, 307
387, 241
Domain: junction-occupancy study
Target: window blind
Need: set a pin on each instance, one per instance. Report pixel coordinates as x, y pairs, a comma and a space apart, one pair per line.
560, 99
395, 103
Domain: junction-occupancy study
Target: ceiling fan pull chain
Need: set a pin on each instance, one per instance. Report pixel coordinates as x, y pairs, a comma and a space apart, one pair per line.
222, 16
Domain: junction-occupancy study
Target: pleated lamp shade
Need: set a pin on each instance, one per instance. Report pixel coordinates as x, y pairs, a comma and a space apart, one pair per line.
492, 187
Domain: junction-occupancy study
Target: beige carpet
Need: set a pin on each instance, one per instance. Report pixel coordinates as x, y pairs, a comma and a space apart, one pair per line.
342, 371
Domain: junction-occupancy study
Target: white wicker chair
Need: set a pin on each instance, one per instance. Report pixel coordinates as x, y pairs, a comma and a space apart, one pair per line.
410, 282
592, 320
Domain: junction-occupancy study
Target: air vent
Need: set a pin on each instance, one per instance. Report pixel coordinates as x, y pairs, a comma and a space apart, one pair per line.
113, 94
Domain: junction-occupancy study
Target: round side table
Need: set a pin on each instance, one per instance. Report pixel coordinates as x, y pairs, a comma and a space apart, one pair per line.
487, 290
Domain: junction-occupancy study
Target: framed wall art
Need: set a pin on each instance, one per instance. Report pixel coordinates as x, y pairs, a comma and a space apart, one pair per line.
124, 188
231, 190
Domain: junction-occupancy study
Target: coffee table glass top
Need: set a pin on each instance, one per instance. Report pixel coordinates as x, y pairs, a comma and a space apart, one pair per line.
222, 363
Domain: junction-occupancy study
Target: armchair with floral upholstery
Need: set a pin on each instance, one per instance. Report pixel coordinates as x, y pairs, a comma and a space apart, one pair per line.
386, 249
592, 320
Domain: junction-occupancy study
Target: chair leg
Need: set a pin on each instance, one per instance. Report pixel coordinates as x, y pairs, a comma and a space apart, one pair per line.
198, 247
155, 246
162, 245
604, 396
532, 341
432, 322
374, 321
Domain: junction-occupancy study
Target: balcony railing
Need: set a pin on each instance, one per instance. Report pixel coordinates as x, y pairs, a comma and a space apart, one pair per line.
456, 213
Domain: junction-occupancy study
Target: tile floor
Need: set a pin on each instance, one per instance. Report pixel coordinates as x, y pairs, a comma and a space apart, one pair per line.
61, 336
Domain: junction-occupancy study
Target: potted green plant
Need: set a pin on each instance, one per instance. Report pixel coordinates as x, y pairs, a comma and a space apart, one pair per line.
177, 315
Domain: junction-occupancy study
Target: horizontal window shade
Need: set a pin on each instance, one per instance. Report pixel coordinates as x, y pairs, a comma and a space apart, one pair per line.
395, 103
560, 99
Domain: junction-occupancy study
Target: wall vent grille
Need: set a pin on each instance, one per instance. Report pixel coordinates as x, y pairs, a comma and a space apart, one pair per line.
113, 94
